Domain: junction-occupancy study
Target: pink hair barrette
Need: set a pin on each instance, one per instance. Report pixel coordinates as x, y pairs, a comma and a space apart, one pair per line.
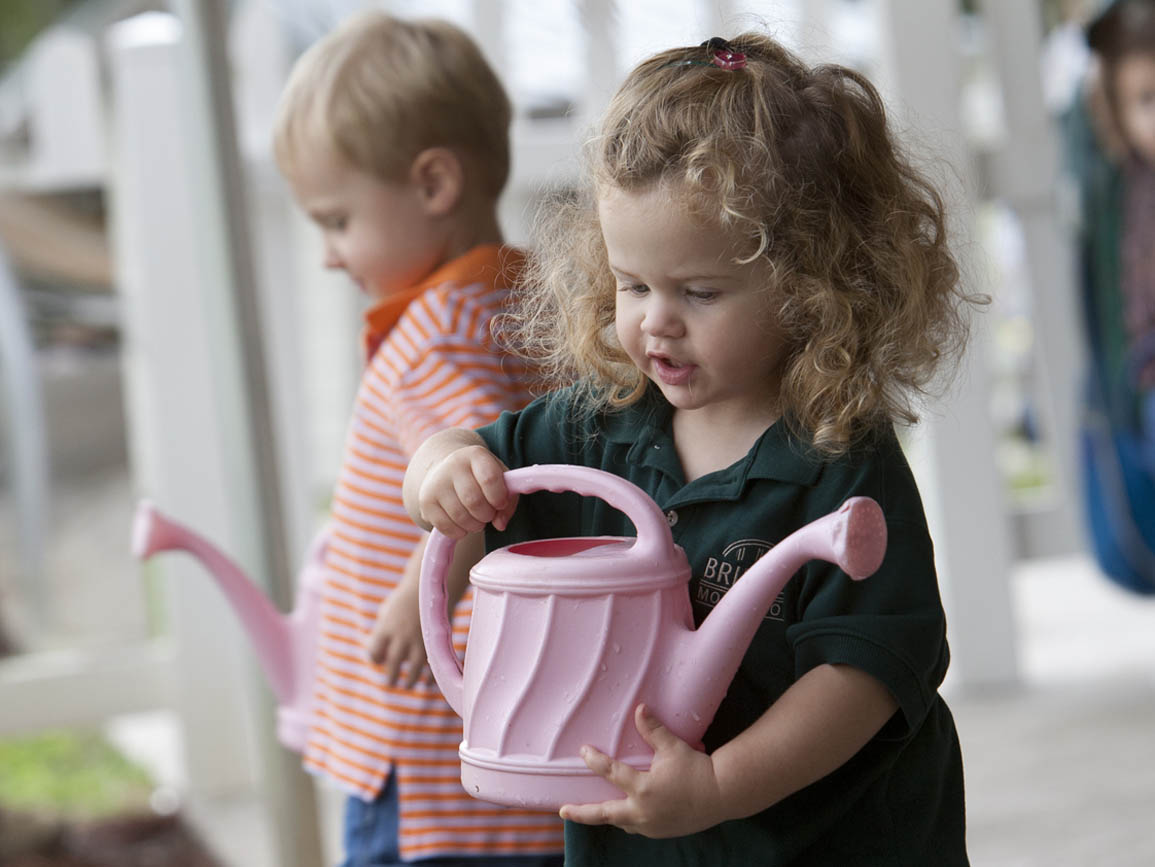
722, 55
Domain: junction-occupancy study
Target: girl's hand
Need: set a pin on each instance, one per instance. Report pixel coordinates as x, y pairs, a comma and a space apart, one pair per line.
464, 491
678, 795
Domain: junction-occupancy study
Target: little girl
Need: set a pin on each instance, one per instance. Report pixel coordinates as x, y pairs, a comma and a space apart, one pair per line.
739, 308
1111, 147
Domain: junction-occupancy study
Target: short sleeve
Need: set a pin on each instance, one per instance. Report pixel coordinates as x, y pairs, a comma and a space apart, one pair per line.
542, 433
891, 624
458, 379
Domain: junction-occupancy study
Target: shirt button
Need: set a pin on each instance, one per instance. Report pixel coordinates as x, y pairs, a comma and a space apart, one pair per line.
671, 517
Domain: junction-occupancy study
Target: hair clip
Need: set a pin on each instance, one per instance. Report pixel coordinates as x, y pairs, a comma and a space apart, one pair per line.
723, 56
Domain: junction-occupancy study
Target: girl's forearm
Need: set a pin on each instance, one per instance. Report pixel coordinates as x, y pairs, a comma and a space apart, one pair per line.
431, 452
817, 725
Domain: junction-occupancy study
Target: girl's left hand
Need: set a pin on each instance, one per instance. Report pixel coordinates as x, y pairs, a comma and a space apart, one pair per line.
678, 795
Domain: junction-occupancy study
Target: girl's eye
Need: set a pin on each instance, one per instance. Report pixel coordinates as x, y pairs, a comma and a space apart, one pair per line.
701, 294
635, 288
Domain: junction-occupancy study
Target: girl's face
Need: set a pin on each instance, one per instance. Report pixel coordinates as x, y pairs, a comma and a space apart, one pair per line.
1135, 95
694, 322
375, 231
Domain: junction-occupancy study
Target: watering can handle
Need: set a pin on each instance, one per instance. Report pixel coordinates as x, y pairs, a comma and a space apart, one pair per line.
653, 543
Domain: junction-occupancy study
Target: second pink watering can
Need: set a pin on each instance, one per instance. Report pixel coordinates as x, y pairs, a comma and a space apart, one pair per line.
569, 635
284, 643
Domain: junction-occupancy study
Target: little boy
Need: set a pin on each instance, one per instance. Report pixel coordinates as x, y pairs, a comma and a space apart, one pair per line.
394, 137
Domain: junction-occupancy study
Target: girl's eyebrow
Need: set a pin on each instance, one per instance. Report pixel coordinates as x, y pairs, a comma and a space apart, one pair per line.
704, 277
619, 272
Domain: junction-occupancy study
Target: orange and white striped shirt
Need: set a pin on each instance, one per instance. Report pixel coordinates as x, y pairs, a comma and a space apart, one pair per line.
433, 365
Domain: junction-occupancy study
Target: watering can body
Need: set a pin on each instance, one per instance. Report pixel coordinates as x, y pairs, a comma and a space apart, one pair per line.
569, 635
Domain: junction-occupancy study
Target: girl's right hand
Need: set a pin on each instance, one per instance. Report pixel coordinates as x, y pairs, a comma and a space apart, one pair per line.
464, 491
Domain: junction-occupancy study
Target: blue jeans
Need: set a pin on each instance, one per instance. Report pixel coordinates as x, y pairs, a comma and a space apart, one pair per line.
371, 838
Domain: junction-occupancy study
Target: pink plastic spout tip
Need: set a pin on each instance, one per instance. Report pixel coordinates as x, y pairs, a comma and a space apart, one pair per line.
147, 531
862, 537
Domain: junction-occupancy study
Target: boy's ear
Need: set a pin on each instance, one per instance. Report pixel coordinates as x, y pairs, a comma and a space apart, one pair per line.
439, 177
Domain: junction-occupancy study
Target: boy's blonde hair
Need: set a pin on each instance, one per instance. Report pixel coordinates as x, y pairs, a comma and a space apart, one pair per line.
799, 162
378, 90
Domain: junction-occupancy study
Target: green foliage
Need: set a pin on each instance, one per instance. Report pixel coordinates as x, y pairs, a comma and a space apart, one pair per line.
75, 774
21, 20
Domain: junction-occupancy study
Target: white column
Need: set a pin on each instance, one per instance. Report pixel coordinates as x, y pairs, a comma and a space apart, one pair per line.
196, 391
603, 66
953, 455
22, 393
171, 410
813, 30
1025, 175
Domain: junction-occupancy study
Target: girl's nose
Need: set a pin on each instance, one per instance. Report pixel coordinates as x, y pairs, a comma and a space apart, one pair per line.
662, 318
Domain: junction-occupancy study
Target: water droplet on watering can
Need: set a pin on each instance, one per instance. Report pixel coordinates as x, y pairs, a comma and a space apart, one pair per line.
604, 667
617, 647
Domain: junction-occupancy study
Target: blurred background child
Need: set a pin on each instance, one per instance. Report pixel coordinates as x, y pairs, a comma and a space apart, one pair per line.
1111, 143
394, 137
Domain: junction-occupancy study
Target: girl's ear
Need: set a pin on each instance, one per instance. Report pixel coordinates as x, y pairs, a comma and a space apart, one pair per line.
439, 178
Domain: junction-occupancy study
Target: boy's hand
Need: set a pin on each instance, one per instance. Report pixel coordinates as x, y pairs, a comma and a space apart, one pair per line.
464, 491
678, 795
395, 642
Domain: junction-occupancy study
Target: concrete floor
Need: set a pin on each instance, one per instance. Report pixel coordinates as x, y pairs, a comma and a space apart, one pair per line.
1060, 771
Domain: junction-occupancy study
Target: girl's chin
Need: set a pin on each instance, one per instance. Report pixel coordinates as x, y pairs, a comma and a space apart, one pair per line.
678, 396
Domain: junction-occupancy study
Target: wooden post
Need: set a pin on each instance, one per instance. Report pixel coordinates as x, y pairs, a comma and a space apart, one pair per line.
953, 454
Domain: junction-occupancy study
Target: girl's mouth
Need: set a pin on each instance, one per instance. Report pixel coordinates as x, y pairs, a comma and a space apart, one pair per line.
671, 372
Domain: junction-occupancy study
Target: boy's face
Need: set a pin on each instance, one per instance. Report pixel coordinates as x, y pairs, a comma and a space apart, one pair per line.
694, 321
1135, 93
375, 231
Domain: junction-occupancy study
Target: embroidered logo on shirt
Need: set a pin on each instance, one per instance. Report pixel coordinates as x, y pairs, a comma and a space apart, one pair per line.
722, 571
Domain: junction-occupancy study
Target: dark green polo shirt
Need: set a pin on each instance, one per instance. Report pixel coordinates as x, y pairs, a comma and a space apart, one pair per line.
899, 801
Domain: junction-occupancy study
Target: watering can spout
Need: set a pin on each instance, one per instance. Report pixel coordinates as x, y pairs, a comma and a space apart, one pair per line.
284, 644
853, 538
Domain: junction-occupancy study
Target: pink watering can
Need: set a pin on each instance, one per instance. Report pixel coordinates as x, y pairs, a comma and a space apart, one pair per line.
569, 635
285, 643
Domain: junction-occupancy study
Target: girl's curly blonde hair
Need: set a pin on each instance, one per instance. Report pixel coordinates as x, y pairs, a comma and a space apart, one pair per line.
799, 162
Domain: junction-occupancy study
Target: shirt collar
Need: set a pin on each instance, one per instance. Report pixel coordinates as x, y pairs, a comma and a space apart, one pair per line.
778, 454
492, 264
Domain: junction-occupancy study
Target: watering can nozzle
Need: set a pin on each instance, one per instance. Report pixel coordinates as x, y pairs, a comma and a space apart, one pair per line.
148, 531
284, 644
860, 538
